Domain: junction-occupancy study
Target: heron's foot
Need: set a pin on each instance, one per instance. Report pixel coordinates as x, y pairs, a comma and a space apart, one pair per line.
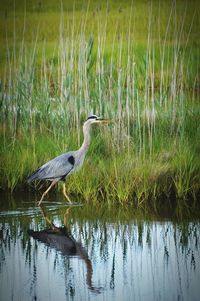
65, 194
40, 201
69, 201
46, 191
67, 198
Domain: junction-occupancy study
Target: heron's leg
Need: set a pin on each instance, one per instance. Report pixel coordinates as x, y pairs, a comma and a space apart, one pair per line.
64, 192
46, 191
66, 216
44, 213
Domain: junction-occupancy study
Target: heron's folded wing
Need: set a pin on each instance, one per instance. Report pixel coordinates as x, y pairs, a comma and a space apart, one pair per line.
56, 168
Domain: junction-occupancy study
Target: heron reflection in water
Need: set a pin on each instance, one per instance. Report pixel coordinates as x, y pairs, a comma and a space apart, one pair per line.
61, 239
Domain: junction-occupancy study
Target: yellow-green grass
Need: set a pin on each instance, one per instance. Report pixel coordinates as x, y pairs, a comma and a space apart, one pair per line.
137, 64
110, 23
109, 175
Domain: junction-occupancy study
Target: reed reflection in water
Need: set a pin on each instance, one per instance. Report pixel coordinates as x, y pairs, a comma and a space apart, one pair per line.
59, 255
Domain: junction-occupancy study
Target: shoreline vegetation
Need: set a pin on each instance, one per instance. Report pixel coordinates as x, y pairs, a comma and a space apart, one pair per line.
135, 63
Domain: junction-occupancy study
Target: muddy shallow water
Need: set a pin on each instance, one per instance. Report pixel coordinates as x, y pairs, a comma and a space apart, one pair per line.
60, 252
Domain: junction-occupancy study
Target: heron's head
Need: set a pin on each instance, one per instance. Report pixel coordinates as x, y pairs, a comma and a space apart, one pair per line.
95, 119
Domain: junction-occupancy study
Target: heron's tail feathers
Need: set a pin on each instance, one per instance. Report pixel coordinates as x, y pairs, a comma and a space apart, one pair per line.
34, 176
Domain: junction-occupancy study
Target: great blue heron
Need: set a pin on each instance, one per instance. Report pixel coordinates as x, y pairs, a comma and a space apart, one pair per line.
62, 166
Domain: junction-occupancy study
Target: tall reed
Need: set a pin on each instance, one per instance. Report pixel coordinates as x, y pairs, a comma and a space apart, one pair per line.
151, 95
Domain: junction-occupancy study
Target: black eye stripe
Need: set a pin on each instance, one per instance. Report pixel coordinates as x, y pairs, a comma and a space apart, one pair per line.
92, 117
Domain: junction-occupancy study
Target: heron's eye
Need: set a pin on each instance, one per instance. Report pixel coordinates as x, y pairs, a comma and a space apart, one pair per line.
92, 117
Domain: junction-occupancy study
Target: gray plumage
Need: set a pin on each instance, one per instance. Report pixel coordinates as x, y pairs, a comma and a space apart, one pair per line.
60, 167
55, 169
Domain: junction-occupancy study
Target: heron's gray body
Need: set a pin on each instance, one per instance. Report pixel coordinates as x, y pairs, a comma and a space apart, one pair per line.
60, 167
55, 169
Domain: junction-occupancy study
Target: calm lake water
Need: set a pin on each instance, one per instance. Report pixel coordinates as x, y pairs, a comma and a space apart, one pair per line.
58, 252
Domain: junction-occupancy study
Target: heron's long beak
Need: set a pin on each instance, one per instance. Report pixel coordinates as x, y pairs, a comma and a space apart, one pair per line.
103, 120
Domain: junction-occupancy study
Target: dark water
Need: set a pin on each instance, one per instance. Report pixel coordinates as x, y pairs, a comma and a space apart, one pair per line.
95, 253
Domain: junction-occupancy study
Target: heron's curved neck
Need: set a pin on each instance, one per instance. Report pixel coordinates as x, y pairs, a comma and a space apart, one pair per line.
86, 141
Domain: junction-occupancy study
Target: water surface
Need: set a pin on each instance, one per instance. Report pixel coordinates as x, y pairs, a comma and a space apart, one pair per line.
97, 252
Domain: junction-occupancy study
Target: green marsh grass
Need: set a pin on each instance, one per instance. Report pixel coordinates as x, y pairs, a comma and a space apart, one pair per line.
137, 64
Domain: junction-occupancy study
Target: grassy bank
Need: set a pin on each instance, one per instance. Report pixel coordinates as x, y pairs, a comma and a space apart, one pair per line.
143, 73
